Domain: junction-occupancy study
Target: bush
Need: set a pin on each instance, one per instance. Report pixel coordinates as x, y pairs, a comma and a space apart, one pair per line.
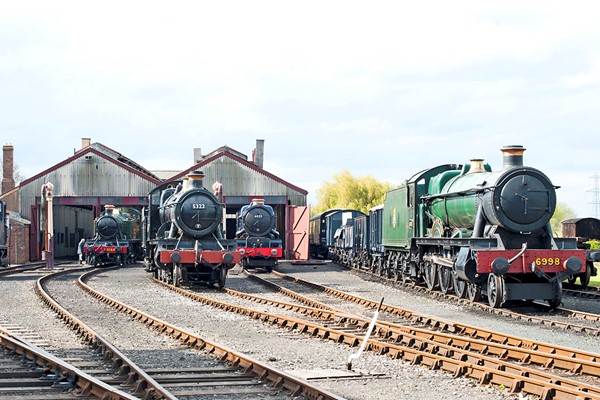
594, 244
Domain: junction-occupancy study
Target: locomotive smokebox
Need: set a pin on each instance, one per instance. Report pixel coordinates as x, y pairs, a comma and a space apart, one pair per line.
512, 156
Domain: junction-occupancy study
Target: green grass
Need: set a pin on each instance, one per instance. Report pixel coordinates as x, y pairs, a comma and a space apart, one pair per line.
595, 280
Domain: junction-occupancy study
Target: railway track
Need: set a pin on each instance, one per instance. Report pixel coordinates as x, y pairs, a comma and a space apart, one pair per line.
265, 380
17, 269
125, 372
473, 352
27, 371
589, 292
532, 312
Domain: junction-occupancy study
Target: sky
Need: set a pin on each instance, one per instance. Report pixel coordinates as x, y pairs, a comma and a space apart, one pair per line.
380, 88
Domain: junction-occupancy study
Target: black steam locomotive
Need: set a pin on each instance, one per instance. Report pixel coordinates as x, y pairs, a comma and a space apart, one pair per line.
466, 229
256, 237
183, 236
117, 237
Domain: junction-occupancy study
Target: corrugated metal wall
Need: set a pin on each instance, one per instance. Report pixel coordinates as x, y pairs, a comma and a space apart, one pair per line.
93, 176
240, 180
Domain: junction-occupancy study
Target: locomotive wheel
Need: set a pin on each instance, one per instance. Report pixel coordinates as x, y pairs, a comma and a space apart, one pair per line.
177, 276
373, 266
381, 267
222, 277
431, 276
584, 278
445, 279
557, 290
460, 287
473, 292
496, 291
395, 268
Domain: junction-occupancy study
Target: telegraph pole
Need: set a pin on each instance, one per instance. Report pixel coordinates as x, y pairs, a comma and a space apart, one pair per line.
595, 191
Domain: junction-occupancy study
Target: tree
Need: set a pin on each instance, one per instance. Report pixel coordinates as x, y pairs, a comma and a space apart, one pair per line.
562, 212
346, 191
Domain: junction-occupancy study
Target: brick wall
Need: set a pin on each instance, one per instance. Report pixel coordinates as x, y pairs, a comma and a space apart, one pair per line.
8, 181
18, 251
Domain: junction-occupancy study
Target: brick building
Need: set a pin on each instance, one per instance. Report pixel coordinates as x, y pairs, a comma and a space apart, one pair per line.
18, 251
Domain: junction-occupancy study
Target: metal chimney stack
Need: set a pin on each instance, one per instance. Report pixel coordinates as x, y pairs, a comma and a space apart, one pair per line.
512, 156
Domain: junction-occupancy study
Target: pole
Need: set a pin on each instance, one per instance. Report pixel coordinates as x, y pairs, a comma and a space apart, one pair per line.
355, 356
48, 255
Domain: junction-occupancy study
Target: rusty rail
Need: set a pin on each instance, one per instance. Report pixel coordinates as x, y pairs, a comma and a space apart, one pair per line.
434, 355
86, 384
262, 371
145, 384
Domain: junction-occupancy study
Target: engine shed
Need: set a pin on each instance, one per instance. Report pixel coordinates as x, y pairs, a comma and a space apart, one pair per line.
96, 176
238, 181
83, 184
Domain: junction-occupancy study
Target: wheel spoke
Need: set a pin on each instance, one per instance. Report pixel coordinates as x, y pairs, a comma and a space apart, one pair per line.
473, 292
445, 279
496, 291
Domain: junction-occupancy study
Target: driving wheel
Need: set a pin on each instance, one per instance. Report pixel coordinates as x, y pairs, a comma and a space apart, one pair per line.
496, 291
473, 292
445, 279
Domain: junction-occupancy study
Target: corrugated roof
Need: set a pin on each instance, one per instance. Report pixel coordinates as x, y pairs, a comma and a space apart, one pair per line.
106, 153
225, 152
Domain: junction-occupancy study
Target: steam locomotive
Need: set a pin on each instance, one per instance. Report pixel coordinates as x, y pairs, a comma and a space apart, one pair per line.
466, 229
256, 237
4, 232
117, 237
182, 234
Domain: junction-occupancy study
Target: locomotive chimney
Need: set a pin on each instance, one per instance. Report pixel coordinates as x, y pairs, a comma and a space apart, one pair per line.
512, 156
85, 142
259, 152
194, 179
8, 180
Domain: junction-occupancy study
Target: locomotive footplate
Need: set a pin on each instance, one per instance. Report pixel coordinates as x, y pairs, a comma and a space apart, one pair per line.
548, 261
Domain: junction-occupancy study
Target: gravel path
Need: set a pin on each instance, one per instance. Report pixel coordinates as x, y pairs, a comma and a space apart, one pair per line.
298, 353
22, 306
285, 350
365, 286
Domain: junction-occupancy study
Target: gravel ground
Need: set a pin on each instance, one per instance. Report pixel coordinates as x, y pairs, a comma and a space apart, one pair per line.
365, 286
285, 350
22, 306
298, 353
